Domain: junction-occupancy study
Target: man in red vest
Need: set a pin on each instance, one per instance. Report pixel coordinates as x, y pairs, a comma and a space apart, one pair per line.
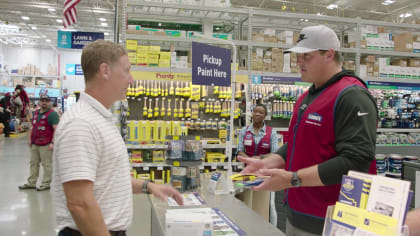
41, 137
332, 131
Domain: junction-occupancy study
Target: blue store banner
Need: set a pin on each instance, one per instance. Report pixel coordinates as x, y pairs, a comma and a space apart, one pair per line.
76, 40
279, 80
80, 39
79, 70
64, 39
210, 65
70, 69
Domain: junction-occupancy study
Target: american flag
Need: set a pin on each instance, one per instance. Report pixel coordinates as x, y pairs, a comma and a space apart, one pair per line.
70, 13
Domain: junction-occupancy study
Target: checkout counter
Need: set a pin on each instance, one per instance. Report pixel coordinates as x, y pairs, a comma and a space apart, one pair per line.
244, 217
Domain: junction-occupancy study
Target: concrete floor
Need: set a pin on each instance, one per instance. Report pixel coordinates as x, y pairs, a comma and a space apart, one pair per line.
30, 212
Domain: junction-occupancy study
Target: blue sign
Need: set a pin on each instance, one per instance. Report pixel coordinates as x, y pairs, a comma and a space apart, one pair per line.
80, 39
256, 79
64, 39
396, 85
279, 80
70, 69
51, 92
79, 70
210, 65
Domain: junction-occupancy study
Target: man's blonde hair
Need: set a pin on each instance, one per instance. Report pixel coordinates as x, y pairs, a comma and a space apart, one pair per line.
98, 52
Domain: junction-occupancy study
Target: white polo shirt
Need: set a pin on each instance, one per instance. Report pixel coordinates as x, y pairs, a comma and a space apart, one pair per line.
88, 146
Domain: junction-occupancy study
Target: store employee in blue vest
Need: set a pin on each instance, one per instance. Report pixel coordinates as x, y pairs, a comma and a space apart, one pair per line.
332, 131
258, 139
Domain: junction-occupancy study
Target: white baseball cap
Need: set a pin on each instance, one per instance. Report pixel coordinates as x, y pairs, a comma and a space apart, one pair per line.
313, 38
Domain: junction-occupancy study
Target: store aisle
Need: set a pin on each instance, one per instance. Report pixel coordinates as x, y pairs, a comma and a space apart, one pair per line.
32, 213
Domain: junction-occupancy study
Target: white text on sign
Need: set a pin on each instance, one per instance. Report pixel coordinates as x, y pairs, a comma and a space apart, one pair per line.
211, 72
212, 60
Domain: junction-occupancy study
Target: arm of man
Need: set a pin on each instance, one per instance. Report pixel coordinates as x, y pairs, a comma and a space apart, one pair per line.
53, 120
84, 209
412, 220
355, 131
160, 191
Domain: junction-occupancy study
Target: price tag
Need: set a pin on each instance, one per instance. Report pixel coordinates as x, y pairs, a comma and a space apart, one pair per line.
176, 163
213, 166
145, 168
176, 138
160, 167
201, 167
197, 138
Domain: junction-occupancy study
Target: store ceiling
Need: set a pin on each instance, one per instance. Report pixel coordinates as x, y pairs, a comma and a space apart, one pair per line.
383, 10
41, 28
44, 20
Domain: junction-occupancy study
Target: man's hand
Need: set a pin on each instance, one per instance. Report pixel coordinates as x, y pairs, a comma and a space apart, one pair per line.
50, 146
280, 179
164, 191
252, 165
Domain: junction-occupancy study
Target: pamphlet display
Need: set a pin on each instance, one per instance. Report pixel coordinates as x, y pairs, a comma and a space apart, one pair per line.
369, 205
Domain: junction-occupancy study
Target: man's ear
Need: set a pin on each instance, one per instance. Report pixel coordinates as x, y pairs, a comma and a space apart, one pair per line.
330, 54
104, 71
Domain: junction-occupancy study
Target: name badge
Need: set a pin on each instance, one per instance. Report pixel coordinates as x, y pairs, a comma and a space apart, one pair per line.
248, 142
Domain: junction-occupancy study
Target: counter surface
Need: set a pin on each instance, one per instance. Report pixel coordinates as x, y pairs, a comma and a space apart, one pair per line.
249, 221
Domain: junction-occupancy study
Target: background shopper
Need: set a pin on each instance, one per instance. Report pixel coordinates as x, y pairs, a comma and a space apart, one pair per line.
41, 137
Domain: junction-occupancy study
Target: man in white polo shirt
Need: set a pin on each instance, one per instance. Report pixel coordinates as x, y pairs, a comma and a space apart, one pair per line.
92, 187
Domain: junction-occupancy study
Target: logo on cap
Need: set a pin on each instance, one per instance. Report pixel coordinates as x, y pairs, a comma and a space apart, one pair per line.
301, 37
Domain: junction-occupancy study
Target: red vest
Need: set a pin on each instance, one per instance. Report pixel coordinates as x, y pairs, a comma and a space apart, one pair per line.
42, 132
264, 147
311, 142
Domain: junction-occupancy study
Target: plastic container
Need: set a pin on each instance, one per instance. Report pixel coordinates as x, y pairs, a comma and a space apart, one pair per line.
410, 158
395, 163
381, 164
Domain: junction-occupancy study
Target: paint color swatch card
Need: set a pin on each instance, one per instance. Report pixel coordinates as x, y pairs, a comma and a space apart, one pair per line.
389, 197
354, 191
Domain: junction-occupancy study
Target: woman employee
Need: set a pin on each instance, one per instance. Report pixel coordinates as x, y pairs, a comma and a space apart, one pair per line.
257, 139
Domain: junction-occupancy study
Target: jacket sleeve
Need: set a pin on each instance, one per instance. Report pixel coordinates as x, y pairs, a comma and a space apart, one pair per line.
355, 120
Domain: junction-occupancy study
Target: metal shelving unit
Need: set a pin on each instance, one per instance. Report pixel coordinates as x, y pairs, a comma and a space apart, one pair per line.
249, 19
382, 130
388, 79
211, 164
152, 147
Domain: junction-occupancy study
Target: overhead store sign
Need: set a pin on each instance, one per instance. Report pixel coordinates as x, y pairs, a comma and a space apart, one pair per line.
393, 85
74, 69
274, 80
211, 65
64, 39
167, 76
76, 40
78, 69
70, 69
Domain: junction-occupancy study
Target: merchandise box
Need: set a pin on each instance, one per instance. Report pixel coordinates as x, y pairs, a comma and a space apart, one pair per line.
131, 45
403, 42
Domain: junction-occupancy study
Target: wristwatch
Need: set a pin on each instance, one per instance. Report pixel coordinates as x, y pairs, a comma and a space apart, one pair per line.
295, 180
144, 186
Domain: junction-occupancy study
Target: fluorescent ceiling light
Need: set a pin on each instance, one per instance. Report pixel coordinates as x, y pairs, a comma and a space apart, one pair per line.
104, 24
51, 9
59, 21
332, 6
106, 33
25, 17
160, 24
34, 27
48, 40
102, 19
408, 14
